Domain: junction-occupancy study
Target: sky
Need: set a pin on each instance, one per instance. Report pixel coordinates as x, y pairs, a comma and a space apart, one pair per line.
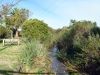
58, 13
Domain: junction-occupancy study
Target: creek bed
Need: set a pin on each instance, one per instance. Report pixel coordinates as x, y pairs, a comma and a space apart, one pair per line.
57, 66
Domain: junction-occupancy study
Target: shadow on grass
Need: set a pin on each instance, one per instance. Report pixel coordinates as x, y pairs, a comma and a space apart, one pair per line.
3, 48
9, 72
6, 46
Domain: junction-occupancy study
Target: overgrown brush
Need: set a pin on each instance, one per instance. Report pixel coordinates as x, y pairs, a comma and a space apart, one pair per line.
81, 47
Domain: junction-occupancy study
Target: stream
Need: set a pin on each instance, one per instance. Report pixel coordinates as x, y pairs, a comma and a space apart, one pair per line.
57, 66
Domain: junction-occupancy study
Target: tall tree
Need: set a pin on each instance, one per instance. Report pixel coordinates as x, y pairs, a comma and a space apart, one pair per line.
18, 16
10, 16
6, 8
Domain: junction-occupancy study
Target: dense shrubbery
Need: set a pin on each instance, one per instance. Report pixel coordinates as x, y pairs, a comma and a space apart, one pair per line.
81, 47
36, 29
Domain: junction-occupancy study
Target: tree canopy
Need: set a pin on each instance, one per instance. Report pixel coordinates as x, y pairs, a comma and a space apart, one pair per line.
17, 17
12, 17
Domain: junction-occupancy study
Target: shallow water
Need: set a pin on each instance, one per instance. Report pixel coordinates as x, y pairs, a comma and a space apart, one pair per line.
57, 66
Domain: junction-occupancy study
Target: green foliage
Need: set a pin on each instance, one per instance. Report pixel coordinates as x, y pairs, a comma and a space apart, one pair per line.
12, 17
81, 45
34, 57
17, 17
3, 32
74, 73
32, 50
36, 29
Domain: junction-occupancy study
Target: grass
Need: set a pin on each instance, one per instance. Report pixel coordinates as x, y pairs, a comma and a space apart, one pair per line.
9, 57
34, 57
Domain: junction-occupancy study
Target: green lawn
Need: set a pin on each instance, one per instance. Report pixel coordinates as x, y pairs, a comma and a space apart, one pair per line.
9, 57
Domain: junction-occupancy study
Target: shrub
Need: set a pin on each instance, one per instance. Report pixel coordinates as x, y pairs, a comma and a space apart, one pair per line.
81, 45
36, 29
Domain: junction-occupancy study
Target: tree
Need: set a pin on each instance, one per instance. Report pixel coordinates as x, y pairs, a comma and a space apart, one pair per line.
5, 9
6, 17
17, 17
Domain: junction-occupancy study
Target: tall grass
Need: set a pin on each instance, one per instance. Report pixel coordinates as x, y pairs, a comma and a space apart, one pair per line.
34, 56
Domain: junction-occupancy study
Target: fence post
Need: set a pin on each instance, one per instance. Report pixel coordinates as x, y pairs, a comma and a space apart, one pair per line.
3, 42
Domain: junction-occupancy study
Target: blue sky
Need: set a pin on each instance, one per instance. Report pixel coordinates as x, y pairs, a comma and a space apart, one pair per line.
58, 13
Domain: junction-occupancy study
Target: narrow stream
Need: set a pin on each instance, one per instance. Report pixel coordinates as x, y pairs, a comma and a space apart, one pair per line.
57, 66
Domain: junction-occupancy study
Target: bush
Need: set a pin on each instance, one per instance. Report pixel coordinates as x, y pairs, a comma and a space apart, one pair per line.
36, 29
82, 46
